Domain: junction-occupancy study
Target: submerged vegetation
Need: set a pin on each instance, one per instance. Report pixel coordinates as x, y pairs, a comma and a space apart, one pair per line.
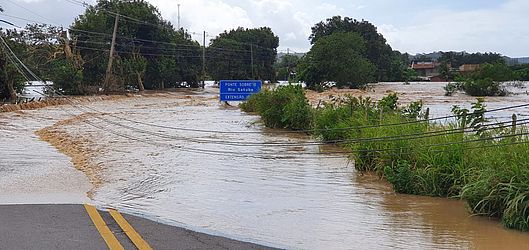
488, 80
415, 154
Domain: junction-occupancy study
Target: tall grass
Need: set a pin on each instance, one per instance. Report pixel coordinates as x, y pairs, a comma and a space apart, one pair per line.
284, 107
417, 156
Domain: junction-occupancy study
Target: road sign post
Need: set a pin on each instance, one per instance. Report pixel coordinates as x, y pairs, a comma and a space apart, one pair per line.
238, 90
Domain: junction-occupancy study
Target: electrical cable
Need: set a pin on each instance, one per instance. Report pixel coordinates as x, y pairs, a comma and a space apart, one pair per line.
223, 151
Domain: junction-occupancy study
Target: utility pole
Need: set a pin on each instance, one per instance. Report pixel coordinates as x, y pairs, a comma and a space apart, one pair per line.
204, 60
251, 55
178, 16
111, 56
288, 66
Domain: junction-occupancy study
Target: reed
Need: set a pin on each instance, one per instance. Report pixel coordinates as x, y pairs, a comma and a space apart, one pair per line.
457, 159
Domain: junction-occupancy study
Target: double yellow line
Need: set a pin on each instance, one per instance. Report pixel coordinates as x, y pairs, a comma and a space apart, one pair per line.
108, 236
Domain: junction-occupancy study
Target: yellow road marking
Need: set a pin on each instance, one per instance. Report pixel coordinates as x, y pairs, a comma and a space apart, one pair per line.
108, 236
134, 236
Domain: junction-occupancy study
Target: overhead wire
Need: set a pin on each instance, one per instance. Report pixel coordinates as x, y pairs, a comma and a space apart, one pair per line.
273, 155
301, 131
379, 125
265, 155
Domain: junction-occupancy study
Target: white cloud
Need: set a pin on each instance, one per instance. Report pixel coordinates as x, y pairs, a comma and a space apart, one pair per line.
213, 16
413, 26
499, 30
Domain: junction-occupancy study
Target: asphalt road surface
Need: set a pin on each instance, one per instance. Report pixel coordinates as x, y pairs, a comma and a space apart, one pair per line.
84, 227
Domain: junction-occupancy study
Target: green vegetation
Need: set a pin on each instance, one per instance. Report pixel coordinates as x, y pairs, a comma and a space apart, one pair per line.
521, 72
243, 54
286, 67
339, 58
456, 59
483, 164
488, 80
389, 64
285, 107
152, 56
11, 82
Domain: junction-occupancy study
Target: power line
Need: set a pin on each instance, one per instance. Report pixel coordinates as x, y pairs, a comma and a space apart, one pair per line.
375, 126
226, 153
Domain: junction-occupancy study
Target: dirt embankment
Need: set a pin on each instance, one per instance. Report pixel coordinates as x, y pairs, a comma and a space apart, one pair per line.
80, 147
58, 101
76, 147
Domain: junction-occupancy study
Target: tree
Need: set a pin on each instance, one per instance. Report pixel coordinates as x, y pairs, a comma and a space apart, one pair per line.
243, 54
488, 80
286, 66
134, 69
144, 42
423, 58
377, 50
339, 57
457, 59
444, 71
11, 80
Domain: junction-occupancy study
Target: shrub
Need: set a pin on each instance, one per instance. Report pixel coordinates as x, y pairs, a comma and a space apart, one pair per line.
284, 107
484, 87
419, 157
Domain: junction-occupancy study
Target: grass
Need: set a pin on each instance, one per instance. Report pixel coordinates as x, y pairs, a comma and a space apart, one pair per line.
417, 157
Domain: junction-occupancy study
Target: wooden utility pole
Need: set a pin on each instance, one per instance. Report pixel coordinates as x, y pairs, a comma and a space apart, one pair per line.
111, 56
204, 60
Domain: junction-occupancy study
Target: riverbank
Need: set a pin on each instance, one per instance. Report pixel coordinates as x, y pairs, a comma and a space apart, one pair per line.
418, 154
57, 102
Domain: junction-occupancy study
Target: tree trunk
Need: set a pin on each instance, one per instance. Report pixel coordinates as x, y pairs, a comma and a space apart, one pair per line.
140, 82
11, 91
162, 85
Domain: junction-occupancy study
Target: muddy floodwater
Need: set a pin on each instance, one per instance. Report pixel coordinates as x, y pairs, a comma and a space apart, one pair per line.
138, 159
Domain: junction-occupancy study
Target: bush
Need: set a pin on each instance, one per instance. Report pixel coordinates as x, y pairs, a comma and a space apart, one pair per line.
484, 87
67, 78
284, 107
422, 158
488, 80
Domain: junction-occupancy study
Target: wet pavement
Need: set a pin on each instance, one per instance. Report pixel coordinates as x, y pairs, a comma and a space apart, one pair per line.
71, 227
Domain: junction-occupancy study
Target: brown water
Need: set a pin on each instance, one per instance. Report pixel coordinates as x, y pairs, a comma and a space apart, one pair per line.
304, 201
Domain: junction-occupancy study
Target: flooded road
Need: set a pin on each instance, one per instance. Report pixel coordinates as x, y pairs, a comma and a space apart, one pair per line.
302, 199
32, 171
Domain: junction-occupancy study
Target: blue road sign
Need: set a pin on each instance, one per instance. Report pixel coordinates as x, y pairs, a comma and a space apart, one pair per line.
238, 90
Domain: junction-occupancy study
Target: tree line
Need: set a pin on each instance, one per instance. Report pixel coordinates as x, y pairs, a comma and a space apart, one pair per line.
150, 53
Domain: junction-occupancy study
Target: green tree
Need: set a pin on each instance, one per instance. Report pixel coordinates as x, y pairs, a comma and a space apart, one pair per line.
142, 33
286, 66
457, 59
488, 80
423, 58
339, 58
231, 54
11, 80
134, 69
377, 50
444, 71
521, 72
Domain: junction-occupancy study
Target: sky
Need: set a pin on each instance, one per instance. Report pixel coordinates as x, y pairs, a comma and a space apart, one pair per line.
413, 26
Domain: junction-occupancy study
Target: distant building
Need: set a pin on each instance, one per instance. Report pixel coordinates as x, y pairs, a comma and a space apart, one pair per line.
467, 68
426, 69
437, 78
